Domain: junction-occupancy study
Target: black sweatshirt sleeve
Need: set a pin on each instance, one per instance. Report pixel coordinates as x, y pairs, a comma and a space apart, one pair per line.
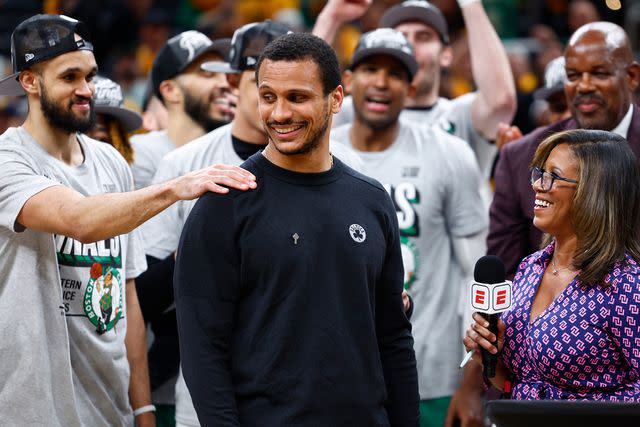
206, 290
155, 287
394, 336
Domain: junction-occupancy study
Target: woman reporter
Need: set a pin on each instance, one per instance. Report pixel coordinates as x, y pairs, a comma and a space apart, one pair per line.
573, 330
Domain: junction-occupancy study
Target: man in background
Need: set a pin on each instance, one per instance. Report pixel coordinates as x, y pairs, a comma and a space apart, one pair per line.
433, 179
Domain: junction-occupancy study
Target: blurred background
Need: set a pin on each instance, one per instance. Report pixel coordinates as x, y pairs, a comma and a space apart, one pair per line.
128, 33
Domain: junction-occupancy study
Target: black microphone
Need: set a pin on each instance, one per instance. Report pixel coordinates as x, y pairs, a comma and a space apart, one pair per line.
490, 296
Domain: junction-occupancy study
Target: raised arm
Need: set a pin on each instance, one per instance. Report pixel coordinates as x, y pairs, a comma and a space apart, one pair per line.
62, 210
496, 100
335, 14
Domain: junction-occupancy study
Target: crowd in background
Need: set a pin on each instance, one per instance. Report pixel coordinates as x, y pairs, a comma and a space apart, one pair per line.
138, 43
129, 33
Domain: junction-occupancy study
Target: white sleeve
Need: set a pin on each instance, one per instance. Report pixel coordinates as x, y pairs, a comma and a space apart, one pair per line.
19, 181
465, 210
161, 233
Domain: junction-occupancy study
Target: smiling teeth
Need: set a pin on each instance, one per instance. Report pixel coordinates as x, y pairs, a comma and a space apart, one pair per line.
542, 203
287, 130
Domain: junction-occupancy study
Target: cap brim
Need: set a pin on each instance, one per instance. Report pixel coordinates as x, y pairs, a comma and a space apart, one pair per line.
407, 60
10, 86
219, 67
130, 119
545, 92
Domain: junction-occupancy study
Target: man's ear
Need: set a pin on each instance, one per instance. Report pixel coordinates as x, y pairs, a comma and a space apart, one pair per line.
234, 80
29, 81
347, 76
337, 95
411, 92
170, 91
446, 57
633, 76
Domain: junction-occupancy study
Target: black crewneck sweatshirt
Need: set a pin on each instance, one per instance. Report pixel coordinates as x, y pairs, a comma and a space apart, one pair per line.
289, 304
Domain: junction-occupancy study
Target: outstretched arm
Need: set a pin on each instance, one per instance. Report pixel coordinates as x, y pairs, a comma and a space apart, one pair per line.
62, 210
496, 100
335, 14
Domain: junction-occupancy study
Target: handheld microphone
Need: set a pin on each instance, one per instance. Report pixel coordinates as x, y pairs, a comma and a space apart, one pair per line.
490, 295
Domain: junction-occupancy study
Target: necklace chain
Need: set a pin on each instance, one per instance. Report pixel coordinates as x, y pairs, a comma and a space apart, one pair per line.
555, 270
264, 153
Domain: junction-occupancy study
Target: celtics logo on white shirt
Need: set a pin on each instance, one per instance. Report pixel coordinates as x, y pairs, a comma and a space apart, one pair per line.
103, 297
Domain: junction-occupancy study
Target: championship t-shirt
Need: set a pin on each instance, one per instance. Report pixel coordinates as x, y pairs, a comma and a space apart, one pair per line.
52, 278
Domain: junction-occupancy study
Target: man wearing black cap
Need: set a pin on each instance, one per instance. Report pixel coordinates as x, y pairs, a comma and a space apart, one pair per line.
433, 178
229, 144
474, 117
197, 100
72, 336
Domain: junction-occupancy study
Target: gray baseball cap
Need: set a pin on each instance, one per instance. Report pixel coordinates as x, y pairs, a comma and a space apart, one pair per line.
416, 10
108, 99
554, 77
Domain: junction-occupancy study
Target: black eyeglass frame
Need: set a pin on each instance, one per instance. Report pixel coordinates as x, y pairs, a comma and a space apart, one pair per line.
539, 174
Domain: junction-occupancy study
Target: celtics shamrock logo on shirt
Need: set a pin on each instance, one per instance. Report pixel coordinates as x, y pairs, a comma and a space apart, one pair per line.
103, 297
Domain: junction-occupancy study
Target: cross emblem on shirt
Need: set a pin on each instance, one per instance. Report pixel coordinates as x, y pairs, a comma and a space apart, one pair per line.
295, 238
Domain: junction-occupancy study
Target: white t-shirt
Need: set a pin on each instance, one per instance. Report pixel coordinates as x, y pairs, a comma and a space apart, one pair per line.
149, 149
433, 179
57, 293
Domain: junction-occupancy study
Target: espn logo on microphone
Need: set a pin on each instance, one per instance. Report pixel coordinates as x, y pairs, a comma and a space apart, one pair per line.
491, 298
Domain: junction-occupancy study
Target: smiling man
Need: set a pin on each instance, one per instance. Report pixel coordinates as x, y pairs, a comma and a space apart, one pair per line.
601, 79
289, 298
72, 340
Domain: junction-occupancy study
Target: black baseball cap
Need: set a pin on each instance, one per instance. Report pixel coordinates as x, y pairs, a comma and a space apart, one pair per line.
108, 99
386, 41
416, 10
180, 51
247, 44
38, 39
554, 77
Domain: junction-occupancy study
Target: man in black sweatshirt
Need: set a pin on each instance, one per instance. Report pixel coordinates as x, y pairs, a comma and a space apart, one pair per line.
289, 296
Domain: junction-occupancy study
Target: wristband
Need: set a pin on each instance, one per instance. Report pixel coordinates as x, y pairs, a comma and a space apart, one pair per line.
144, 409
463, 3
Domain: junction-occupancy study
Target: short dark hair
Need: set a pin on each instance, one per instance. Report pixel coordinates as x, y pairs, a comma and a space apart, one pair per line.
305, 46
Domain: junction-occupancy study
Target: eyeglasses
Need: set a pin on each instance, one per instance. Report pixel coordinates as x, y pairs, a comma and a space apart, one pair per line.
546, 178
